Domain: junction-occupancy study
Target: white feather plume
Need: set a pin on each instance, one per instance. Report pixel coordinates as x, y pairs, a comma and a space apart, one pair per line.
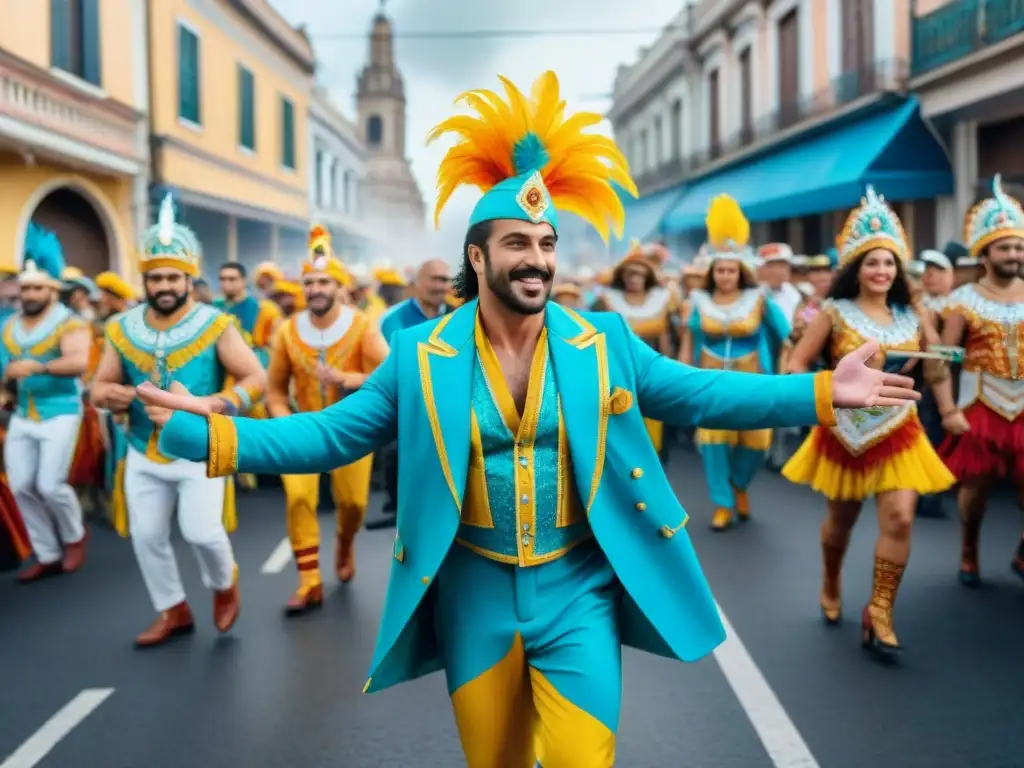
165, 221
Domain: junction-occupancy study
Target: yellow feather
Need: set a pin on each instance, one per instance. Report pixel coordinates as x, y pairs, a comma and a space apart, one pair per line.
727, 227
580, 168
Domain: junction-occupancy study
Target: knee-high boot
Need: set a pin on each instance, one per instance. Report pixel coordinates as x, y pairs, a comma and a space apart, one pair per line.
876, 622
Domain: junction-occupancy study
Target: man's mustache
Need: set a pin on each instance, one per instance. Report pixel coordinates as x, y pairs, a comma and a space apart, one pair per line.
162, 294
525, 273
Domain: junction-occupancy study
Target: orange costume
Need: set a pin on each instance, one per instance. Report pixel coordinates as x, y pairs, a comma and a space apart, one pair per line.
351, 344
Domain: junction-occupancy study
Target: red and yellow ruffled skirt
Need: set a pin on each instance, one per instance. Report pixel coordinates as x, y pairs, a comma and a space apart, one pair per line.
994, 447
904, 460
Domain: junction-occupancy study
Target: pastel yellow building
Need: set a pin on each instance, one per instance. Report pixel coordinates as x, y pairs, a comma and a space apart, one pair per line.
231, 85
73, 142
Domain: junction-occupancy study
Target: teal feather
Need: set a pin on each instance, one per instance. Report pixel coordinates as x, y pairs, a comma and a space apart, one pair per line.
43, 248
529, 154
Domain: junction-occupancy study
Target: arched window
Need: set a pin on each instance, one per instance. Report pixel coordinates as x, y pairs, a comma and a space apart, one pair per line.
374, 130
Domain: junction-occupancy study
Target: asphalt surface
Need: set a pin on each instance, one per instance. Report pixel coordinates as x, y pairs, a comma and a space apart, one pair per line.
279, 692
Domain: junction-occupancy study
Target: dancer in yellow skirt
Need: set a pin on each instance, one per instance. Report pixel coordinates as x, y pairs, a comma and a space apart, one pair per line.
880, 452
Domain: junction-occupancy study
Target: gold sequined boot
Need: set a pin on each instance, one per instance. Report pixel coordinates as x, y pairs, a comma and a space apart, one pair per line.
877, 634
722, 519
831, 583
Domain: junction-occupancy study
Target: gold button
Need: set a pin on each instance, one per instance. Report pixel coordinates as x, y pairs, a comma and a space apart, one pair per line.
667, 532
637, 473
640, 506
425, 579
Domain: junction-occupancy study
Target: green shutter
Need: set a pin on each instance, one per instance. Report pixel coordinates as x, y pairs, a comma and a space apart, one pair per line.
188, 76
287, 134
60, 34
91, 68
246, 108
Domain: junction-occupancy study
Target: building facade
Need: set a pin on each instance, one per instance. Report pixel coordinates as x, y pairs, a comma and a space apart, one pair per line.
792, 106
967, 72
393, 203
73, 132
232, 83
336, 178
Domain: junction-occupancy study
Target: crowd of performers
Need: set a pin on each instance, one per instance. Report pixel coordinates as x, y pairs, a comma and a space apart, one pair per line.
76, 436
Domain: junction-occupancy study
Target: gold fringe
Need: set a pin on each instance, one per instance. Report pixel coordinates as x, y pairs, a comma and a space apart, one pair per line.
180, 357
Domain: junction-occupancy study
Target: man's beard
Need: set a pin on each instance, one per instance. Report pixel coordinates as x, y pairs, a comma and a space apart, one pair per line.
1007, 270
179, 302
317, 310
501, 286
31, 308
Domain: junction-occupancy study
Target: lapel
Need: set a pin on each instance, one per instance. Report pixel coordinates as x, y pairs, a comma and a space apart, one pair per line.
446, 361
579, 357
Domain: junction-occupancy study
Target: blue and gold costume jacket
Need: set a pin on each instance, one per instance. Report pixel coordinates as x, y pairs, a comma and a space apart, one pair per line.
604, 376
41, 396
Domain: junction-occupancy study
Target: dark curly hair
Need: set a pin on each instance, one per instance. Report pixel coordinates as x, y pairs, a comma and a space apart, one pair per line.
847, 286
466, 284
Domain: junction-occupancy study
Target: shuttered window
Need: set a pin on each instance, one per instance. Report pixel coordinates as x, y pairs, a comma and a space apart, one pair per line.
287, 133
75, 38
189, 94
246, 108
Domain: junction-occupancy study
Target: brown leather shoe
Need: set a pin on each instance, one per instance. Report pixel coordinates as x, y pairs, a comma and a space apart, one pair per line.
36, 571
345, 558
305, 599
176, 620
226, 605
74, 555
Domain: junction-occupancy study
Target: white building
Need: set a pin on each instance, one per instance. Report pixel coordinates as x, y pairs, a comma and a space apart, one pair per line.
336, 177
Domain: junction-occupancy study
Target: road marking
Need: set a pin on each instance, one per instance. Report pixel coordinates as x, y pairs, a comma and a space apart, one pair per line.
779, 736
42, 742
279, 558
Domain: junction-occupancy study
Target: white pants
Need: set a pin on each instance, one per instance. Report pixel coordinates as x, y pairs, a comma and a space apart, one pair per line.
153, 491
38, 456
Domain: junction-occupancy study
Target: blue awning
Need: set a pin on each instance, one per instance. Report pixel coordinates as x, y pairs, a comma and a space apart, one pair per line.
644, 215
894, 150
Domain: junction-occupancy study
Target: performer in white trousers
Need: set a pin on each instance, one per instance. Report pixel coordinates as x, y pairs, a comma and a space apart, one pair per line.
44, 352
176, 343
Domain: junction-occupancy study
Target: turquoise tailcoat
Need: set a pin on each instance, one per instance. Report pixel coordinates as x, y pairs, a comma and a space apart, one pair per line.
606, 377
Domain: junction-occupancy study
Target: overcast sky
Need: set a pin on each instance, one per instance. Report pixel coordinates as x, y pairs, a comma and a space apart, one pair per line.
437, 70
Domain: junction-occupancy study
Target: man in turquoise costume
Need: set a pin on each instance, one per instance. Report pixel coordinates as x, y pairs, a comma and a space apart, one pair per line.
536, 530
258, 318
173, 339
44, 353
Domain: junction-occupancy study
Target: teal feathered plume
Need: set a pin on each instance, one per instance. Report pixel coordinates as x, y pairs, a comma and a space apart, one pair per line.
44, 251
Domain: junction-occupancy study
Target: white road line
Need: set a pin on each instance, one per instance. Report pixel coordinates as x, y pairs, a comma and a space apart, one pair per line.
782, 741
40, 743
279, 558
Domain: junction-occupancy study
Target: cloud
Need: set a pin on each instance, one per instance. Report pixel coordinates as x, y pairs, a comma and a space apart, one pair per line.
436, 70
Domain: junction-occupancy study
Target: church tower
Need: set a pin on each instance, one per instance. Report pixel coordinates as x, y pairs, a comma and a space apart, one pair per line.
390, 194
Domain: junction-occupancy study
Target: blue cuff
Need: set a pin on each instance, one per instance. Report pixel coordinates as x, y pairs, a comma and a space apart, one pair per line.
185, 436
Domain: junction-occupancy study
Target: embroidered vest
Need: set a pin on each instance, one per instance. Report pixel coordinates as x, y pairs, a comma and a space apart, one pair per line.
339, 346
42, 397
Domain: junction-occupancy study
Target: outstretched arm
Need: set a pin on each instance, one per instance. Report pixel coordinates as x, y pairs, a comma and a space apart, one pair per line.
306, 443
679, 394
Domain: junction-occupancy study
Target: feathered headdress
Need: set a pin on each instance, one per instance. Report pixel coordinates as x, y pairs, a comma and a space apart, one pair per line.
728, 233
321, 256
529, 159
43, 263
170, 244
873, 224
993, 219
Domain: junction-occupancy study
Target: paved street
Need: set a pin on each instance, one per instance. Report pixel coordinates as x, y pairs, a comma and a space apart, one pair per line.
287, 693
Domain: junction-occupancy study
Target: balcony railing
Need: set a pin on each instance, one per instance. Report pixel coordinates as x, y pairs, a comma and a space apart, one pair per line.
36, 99
877, 78
960, 28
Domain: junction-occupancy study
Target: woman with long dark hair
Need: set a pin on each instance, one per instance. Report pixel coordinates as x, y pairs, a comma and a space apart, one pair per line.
731, 325
880, 452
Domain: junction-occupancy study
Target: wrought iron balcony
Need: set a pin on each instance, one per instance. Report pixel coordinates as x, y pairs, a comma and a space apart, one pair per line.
960, 28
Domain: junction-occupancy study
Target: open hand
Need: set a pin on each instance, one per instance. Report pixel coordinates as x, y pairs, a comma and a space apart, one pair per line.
161, 404
856, 385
